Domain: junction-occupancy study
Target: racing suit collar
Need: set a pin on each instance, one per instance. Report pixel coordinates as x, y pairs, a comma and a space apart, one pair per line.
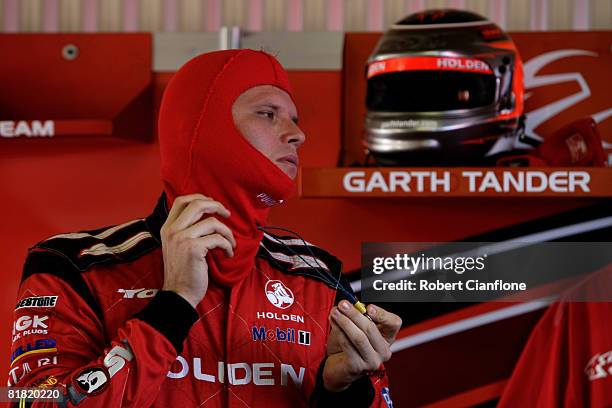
158, 217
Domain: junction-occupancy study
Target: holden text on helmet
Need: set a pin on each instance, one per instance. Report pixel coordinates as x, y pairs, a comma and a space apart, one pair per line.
463, 64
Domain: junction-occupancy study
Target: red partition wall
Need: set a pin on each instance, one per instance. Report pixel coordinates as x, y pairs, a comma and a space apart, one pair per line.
86, 84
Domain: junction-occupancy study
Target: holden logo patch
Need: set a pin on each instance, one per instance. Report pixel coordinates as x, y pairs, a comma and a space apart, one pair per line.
92, 380
279, 294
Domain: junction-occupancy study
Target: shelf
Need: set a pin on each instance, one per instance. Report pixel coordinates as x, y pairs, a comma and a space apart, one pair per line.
455, 182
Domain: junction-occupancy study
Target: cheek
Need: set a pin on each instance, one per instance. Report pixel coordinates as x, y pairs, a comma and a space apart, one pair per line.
260, 136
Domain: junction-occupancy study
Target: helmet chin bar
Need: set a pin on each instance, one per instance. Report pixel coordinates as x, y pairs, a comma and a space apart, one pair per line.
477, 144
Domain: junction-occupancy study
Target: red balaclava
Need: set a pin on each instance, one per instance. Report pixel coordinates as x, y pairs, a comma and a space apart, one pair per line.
203, 152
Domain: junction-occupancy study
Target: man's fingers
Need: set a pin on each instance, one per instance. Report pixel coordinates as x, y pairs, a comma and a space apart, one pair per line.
365, 325
180, 203
209, 226
201, 246
194, 210
346, 346
389, 323
358, 339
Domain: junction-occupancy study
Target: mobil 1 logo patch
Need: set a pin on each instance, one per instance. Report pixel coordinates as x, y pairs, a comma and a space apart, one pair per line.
304, 337
260, 333
387, 397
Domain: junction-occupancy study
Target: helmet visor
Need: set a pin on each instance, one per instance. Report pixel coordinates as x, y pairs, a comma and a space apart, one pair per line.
430, 91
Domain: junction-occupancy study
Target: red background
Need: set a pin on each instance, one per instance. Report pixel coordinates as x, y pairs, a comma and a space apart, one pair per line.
60, 185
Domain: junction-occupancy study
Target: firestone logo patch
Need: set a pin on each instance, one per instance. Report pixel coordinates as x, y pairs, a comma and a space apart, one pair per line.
38, 301
279, 294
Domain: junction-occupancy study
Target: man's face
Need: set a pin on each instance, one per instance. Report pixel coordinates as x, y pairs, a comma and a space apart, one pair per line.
267, 118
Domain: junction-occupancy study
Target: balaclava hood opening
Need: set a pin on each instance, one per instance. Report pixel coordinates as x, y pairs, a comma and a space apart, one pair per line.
203, 152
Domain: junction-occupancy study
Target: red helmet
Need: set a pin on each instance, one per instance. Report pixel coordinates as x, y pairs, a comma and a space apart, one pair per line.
444, 87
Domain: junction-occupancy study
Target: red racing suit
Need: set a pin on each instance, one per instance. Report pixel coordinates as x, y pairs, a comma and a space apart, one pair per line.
91, 319
567, 361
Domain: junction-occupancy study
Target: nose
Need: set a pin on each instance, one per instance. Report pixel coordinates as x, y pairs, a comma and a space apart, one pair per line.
292, 134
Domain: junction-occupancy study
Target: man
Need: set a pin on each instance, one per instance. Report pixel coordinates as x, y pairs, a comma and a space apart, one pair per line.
197, 306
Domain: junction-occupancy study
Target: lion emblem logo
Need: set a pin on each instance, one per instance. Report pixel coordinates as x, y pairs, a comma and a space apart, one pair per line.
279, 294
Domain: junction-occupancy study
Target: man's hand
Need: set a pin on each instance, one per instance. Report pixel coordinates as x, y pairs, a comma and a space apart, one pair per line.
356, 344
186, 239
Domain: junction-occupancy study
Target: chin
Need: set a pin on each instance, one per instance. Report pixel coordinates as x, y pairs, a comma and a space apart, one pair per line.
289, 170
291, 174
